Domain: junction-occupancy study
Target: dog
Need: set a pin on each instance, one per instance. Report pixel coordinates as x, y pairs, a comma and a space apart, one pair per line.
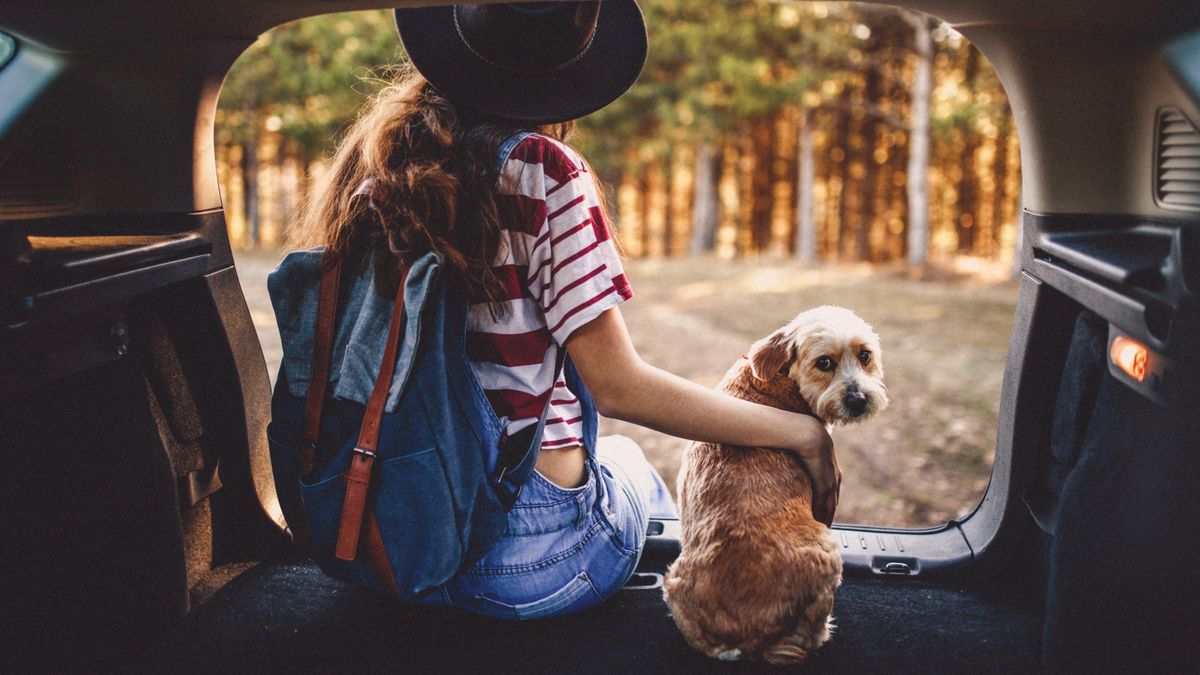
757, 574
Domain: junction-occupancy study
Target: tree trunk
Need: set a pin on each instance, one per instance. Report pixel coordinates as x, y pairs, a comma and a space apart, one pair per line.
968, 182
827, 168
872, 93
250, 186
668, 212
1000, 196
645, 187
844, 159
739, 163
788, 163
917, 180
707, 210
287, 193
895, 177
806, 223
762, 194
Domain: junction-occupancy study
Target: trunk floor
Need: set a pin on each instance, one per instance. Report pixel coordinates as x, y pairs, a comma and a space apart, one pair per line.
289, 615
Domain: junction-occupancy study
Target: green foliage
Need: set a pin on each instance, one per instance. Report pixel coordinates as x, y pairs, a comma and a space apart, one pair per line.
715, 67
718, 73
308, 78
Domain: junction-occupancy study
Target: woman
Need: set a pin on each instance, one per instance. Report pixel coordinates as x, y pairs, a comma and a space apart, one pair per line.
465, 155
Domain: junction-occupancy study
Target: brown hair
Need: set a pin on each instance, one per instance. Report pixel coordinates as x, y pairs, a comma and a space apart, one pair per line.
433, 172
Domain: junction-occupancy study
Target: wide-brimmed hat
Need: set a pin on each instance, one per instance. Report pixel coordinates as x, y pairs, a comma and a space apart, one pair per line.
528, 62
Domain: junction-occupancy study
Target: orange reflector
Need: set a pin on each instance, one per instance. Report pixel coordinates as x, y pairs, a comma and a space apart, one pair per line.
1130, 356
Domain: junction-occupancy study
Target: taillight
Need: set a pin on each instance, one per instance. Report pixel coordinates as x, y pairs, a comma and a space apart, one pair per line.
1131, 361
1130, 356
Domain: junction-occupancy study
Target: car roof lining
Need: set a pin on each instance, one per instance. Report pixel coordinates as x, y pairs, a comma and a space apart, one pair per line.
140, 21
151, 71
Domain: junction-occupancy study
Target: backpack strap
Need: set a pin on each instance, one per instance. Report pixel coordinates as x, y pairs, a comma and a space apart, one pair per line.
318, 382
507, 147
358, 477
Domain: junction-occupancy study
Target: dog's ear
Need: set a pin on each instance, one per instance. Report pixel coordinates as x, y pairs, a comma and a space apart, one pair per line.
771, 354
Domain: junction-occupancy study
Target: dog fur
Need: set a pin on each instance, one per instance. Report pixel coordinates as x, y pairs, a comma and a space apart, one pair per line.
757, 574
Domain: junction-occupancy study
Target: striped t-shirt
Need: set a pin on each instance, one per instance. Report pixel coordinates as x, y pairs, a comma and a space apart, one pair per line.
559, 270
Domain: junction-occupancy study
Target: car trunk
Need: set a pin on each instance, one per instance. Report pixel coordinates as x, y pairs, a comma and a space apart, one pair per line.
137, 512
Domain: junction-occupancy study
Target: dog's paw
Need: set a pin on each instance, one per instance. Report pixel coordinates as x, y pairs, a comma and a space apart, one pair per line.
722, 654
786, 652
824, 634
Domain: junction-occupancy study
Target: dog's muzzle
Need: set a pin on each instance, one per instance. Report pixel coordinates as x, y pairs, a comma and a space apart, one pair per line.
855, 402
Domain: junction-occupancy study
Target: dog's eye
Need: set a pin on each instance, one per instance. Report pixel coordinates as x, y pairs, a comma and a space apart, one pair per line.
824, 364
864, 357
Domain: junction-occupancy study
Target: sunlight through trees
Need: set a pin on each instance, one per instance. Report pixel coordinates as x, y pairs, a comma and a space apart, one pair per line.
818, 131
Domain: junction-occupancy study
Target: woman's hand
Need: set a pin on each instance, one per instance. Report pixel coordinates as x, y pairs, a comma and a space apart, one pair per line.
626, 388
815, 448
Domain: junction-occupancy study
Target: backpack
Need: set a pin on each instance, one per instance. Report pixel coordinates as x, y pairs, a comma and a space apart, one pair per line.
401, 488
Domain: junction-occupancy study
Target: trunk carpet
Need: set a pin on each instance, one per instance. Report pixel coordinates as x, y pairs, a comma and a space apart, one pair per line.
287, 615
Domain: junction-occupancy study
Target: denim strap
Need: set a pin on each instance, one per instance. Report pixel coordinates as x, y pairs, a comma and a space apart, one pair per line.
506, 148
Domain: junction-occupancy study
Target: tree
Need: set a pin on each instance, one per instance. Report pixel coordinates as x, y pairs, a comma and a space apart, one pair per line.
706, 212
806, 224
919, 141
309, 77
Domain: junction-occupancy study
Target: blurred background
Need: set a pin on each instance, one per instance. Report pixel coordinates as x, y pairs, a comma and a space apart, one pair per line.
774, 155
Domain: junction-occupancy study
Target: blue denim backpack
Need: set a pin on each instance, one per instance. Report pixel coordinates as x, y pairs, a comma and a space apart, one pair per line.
388, 458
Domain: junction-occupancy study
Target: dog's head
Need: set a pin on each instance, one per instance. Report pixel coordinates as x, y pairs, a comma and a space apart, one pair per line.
834, 358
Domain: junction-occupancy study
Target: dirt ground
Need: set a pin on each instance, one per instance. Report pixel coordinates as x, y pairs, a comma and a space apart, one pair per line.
923, 461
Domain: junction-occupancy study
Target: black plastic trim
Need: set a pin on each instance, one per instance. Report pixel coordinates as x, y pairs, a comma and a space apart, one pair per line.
62, 303
865, 550
1141, 275
66, 285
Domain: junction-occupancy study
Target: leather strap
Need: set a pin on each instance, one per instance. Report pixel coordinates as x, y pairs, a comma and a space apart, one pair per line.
377, 556
358, 477
318, 377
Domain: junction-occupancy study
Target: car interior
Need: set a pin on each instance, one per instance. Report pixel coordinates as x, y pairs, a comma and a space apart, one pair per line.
138, 514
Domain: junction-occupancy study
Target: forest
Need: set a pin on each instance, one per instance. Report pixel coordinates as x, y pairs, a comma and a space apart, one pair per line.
820, 132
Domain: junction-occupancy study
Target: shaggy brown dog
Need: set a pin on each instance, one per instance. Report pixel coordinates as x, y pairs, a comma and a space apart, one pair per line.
757, 573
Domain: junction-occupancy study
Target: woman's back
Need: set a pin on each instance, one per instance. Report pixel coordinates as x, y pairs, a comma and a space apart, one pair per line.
558, 270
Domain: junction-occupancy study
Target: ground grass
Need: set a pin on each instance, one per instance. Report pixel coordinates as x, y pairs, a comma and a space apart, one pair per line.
923, 461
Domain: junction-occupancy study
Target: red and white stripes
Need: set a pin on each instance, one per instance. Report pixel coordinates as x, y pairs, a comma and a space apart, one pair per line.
559, 270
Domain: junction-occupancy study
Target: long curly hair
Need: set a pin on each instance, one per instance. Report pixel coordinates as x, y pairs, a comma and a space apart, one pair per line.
433, 183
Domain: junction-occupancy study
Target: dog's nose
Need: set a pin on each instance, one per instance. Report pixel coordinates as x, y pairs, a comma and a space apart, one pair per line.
856, 402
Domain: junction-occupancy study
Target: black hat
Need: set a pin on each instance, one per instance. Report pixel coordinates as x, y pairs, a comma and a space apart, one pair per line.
528, 62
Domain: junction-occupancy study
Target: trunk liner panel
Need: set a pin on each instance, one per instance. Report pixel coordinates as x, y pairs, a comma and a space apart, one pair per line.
290, 615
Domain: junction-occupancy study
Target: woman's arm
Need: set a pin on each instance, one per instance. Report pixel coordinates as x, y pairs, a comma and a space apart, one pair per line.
627, 388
